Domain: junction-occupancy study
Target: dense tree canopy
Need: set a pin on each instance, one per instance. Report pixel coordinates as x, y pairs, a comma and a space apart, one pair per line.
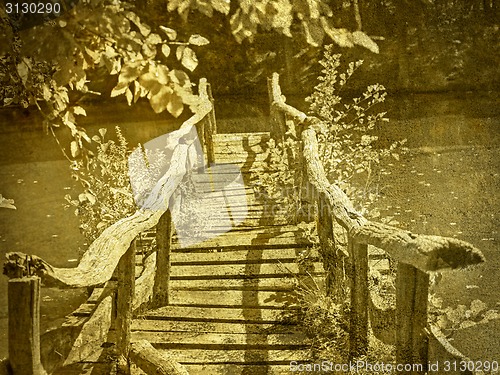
152, 49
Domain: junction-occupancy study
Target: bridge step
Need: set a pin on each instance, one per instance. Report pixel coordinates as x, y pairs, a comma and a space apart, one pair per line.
238, 369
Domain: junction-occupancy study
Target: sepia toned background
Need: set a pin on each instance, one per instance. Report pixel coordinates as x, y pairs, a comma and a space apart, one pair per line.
439, 61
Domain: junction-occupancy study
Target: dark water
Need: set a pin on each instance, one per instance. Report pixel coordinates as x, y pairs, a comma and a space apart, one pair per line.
448, 185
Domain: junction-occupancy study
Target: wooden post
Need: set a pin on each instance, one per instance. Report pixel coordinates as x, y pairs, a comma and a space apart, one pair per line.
201, 130
210, 128
327, 248
124, 299
162, 276
24, 326
151, 361
412, 288
277, 118
358, 338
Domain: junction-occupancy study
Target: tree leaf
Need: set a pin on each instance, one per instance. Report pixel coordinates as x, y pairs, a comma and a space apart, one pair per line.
171, 33
160, 100
129, 72
143, 28
175, 105
342, 37
129, 96
23, 71
153, 39
149, 81
137, 91
361, 39
7, 203
162, 73
198, 40
77, 110
222, 6
165, 49
179, 52
90, 198
314, 32
119, 89
180, 77
189, 59
74, 149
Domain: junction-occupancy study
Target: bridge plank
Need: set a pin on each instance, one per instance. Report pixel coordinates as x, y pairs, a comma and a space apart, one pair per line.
229, 271
238, 369
251, 138
220, 340
201, 356
154, 325
235, 298
287, 283
259, 236
240, 256
222, 315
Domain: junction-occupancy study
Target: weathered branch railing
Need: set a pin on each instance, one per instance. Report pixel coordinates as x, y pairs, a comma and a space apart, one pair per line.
417, 255
113, 253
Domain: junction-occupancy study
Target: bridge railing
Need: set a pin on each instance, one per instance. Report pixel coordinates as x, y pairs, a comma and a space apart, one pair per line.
417, 255
113, 253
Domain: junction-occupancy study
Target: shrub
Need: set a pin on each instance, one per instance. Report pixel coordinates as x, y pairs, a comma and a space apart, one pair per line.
107, 196
348, 145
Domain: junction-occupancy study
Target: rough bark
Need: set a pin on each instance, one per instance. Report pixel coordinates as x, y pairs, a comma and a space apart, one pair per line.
92, 335
152, 362
100, 260
162, 276
144, 284
427, 253
24, 326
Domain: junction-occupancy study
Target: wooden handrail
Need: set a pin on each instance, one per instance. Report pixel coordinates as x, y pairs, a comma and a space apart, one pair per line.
427, 253
113, 250
100, 260
417, 255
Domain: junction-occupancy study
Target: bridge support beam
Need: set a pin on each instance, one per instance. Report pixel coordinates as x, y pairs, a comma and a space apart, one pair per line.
24, 326
412, 289
161, 286
124, 299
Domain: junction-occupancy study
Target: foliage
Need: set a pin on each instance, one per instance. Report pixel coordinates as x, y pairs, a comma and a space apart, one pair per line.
7, 203
193, 221
326, 322
348, 146
315, 20
94, 38
107, 195
450, 319
279, 185
149, 60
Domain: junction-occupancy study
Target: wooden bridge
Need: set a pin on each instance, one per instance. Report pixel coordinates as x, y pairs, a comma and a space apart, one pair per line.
222, 305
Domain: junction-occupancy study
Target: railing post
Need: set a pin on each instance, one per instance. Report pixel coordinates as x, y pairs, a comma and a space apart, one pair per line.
358, 338
124, 299
24, 326
277, 118
333, 258
412, 288
210, 128
162, 276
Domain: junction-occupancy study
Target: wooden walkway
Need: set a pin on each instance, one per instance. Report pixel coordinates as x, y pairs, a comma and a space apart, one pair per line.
230, 294
233, 289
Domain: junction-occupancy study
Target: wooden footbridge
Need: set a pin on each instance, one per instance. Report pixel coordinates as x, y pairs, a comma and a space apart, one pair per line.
221, 305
